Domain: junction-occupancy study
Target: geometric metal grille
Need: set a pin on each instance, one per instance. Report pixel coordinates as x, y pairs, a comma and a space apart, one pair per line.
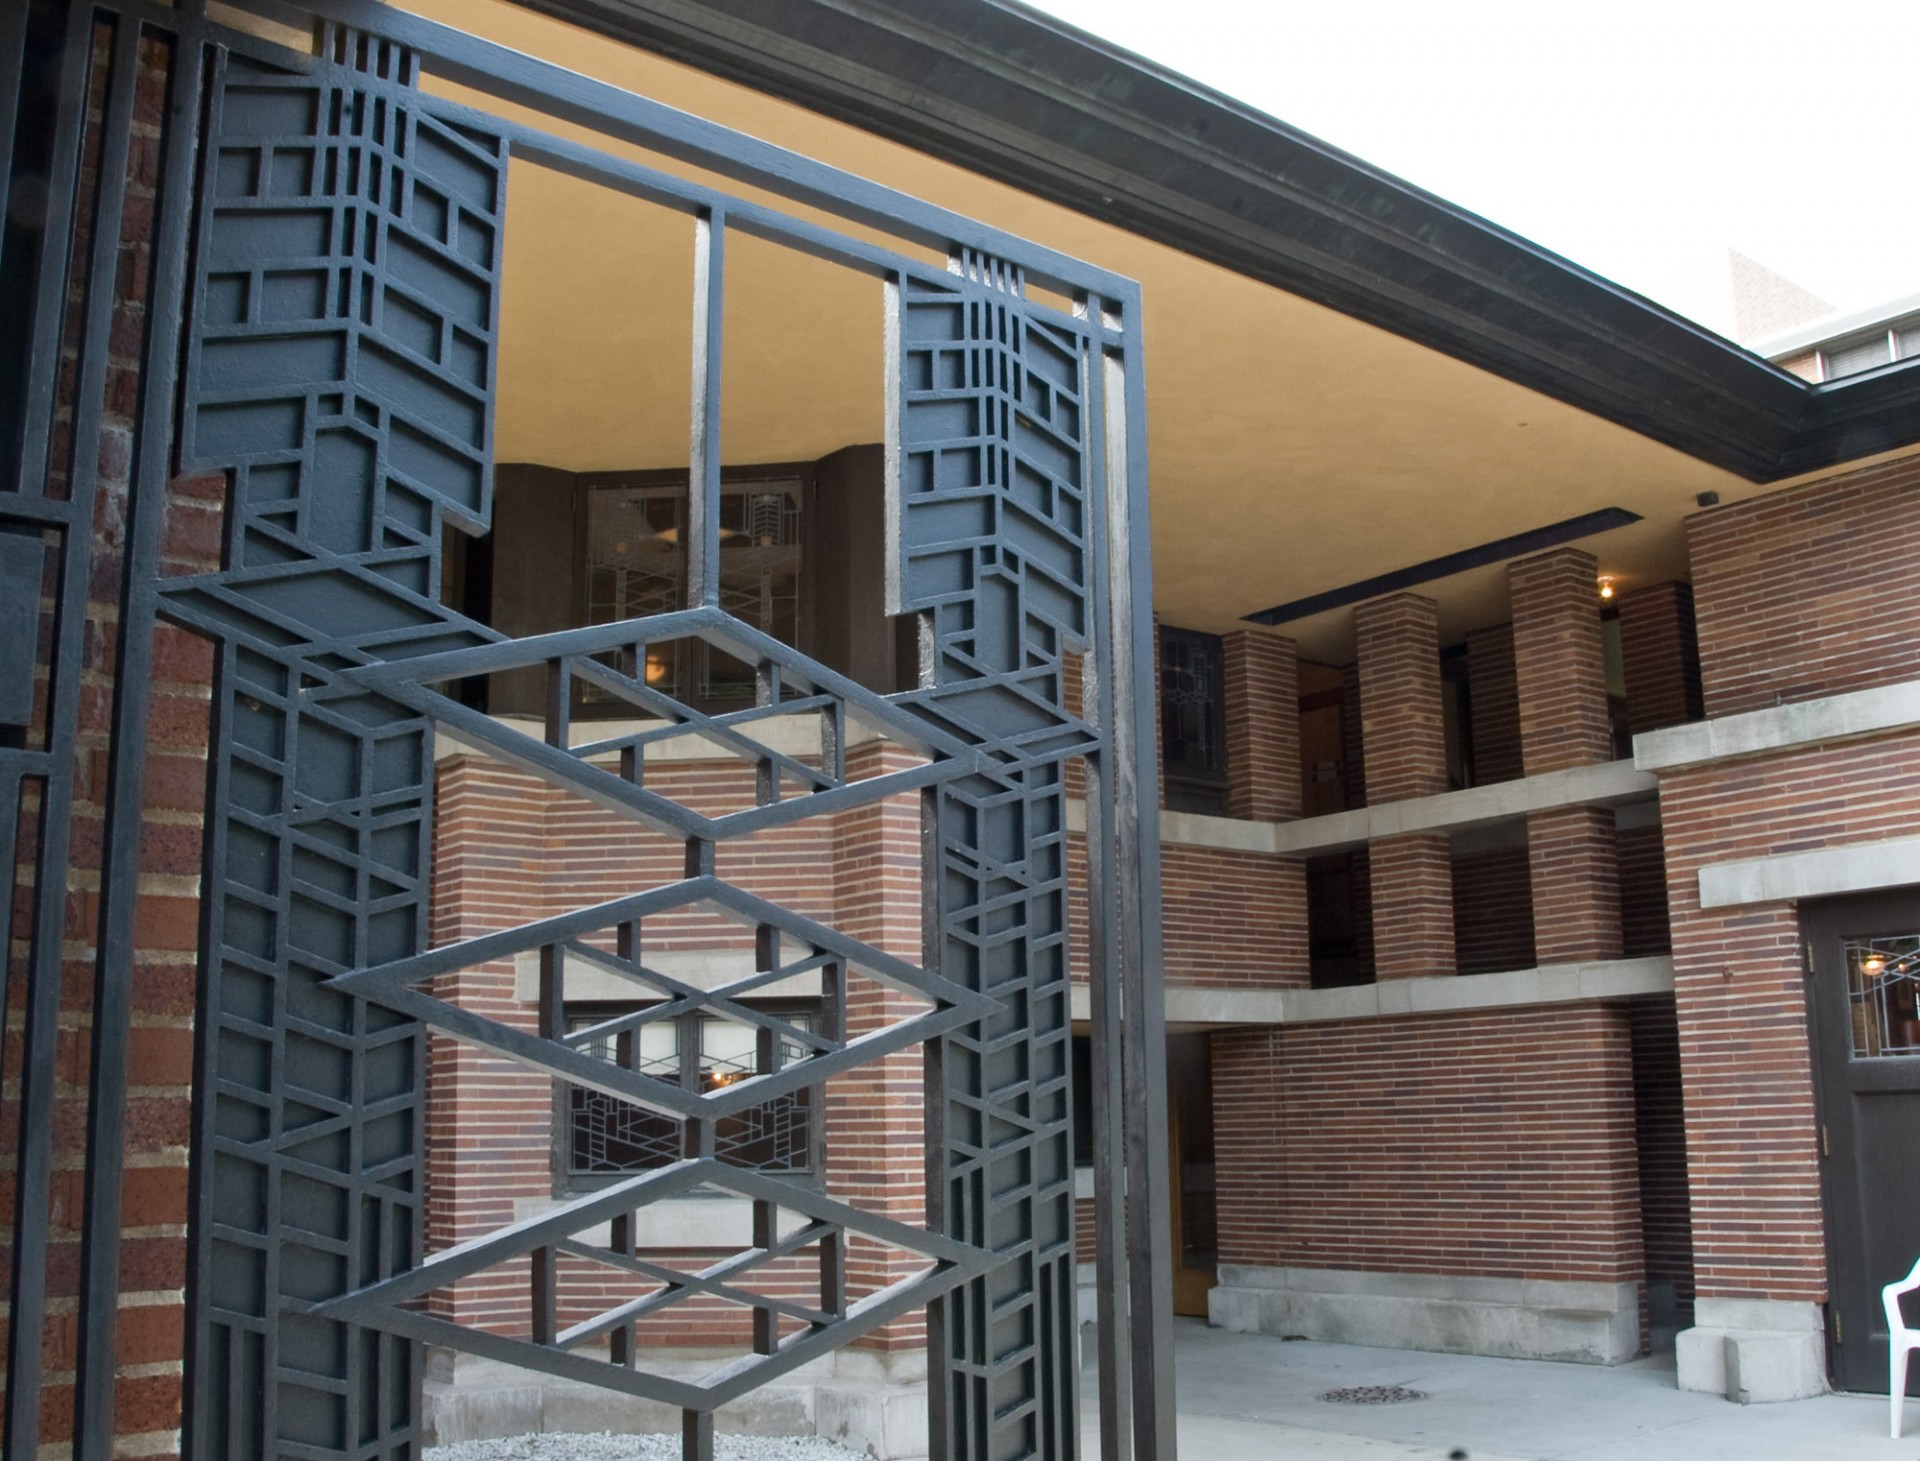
339, 371
993, 548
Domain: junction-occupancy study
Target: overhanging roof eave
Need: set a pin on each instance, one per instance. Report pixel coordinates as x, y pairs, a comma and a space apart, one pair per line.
1026, 100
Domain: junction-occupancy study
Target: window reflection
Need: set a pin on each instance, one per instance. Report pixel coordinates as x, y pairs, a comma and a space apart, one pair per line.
1882, 975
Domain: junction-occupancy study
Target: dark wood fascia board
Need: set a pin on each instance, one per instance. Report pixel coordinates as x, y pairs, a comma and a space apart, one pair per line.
1857, 417
1028, 101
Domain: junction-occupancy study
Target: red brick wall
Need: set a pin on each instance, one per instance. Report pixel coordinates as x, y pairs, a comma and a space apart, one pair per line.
1809, 592
1560, 667
1492, 911
876, 1114
1576, 884
1231, 918
1740, 996
508, 850
1402, 726
149, 1337
1263, 726
1496, 1144
1493, 695
1559, 662
1410, 884
1404, 733
1660, 657
1226, 917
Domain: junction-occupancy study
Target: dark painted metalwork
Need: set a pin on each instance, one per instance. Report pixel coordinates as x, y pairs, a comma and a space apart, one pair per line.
339, 371
66, 71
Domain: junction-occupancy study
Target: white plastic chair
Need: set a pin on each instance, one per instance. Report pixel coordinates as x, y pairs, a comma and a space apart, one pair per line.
1901, 1343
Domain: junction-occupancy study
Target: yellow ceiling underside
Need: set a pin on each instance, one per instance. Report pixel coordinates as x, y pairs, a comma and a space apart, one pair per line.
1292, 449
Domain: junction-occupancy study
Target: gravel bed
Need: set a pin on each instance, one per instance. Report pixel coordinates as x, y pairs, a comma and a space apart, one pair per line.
606, 1446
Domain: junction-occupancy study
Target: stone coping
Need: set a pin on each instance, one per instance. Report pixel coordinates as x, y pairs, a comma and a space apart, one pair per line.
1782, 727
1610, 783
1820, 872
796, 735
1399, 998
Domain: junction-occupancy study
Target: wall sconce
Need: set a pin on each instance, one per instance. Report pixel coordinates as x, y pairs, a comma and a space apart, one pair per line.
1606, 587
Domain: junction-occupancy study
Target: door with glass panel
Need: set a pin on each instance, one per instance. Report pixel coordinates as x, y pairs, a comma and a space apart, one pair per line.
1865, 955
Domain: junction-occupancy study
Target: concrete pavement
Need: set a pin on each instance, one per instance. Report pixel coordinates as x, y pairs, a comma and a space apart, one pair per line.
1251, 1398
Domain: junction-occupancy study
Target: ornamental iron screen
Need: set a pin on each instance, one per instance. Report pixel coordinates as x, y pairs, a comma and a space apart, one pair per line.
318, 330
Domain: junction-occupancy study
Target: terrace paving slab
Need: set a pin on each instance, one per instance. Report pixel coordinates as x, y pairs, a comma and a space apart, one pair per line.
1246, 1396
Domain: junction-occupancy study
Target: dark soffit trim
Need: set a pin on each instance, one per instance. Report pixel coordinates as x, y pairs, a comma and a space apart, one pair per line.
1029, 101
1498, 551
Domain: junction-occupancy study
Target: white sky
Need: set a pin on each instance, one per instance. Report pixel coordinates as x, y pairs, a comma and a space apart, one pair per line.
1636, 137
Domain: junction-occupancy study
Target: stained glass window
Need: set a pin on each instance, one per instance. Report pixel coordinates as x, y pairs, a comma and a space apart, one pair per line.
636, 565
607, 1136
1882, 975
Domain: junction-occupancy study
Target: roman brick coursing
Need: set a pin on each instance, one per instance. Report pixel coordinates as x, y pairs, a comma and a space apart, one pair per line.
1263, 726
1660, 657
1740, 995
1575, 864
1402, 727
1410, 877
1493, 697
1560, 674
1492, 911
1809, 592
1410, 880
508, 850
1231, 918
1496, 1144
1227, 918
1798, 594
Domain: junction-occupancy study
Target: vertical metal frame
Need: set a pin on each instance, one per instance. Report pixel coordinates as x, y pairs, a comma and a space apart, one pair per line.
1017, 472
52, 492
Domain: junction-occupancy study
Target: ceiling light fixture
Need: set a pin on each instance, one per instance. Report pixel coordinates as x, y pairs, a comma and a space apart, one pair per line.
1606, 586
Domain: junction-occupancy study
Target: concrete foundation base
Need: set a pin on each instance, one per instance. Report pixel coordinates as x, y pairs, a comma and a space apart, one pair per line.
1753, 1350
1595, 1323
870, 1402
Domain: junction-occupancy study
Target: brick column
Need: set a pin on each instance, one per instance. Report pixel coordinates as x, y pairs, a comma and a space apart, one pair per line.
1495, 705
1262, 695
1398, 640
1560, 668
1263, 726
876, 1113
1661, 657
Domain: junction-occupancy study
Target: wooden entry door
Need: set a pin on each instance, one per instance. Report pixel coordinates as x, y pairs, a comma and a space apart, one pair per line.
1190, 1148
1865, 955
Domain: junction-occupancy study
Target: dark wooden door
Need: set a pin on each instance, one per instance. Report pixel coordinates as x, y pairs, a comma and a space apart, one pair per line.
1866, 1033
1190, 1143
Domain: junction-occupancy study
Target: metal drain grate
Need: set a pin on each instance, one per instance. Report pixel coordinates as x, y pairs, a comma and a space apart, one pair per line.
1374, 1395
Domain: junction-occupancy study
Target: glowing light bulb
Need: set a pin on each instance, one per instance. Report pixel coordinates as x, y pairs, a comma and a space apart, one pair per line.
1606, 585
1873, 964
